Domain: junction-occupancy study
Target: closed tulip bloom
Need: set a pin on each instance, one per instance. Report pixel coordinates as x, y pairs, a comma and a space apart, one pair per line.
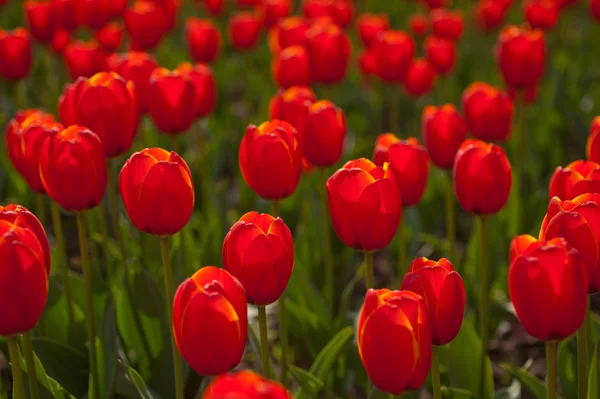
25, 135
244, 28
158, 191
40, 19
210, 321
579, 177
577, 221
65, 14
16, 54
367, 61
291, 31
94, 13
173, 95
245, 384
60, 41
316, 8
136, 67
342, 12
592, 148
291, 67
441, 53
214, 7
273, 11
394, 340
105, 103
110, 36
394, 51
203, 39
259, 251
329, 53
369, 27
364, 204
323, 132
24, 270
146, 23
419, 24
541, 14
447, 24
420, 77
73, 168
549, 280
488, 111
595, 9
84, 59
489, 14
444, 293
289, 105
205, 87
482, 177
444, 130
275, 176
409, 163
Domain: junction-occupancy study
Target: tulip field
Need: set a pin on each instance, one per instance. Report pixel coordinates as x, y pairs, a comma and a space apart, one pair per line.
308, 199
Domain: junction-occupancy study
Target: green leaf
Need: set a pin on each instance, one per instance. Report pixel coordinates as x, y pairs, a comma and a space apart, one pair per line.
511, 392
49, 388
106, 351
139, 382
594, 377
534, 385
309, 383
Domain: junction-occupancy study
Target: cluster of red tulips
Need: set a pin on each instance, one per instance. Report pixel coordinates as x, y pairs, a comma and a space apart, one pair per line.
72, 159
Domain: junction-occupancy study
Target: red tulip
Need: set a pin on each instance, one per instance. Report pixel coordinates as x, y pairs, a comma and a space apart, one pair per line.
273, 11
84, 59
342, 12
60, 41
244, 28
409, 163
549, 279
489, 14
214, 7
203, 39
25, 135
519, 245
136, 67
24, 270
15, 53
110, 36
173, 95
329, 52
419, 24
73, 168
579, 177
105, 103
444, 293
210, 321
146, 23
291, 67
205, 87
316, 8
289, 105
40, 19
420, 77
323, 132
482, 177
592, 148
245, 384
65, 13
433, 4
394, 51
578, 222
247, 3
259, 251
444, 130
291, 31
441, 53
364, 204
367, 61
595, 9
369, 27
158, 191
94, 13
447, 24
276, 176
394, 340
488, 112
541, 14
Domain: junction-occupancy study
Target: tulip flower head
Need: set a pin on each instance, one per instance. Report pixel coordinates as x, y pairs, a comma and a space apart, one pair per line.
329, 52
323, 132
41, 19
146, 23
579, 177
214, 7
65, 14
441, 54
84, 59
203, 39
60, 41
289, 105
420, 77
15, 53
488, 112
419, 24
447, 24
244, 28
489, 14
291, 67
595, 10
394, 340
245, 384
205, 87
136, 67
291, 31
110, 36
443, 130
367, 61
210, 321
271, 12
173, 102
370, 26
394, 51
592, 148
541, 14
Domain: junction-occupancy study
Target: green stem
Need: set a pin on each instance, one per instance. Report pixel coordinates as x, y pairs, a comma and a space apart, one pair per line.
450, 217
275, 208
169, 294
34, 389
18, 384
582, 361
264, 341
401, 253
435, 373
329, 272
101, 215
89, 304
283, 327
113, 204
394, 105
551, 348
370, 273
484, 305
40, 207
62, 259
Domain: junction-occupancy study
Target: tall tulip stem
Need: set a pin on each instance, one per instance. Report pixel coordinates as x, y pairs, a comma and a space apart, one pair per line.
34, 389
113, 204
264, 341
329, 272
89, 304
401, 252
450, 217
582, 361
370, 273
435, 373
40, 207
62, 259
18, 384
169, 295
484, 303
551, 349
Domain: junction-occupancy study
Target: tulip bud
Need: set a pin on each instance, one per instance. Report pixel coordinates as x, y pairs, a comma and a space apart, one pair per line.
273, 11
489, 14
40, 19
289, 105
276, 176
482, 177
394, 340
541, 14
146, 23
579, 177
369, 27
173, 97
105, 103
205, 87
259, 251
364, 204
592, 148
15, 53
203, 39
444, 130
137, 68
291, 31
322, 131
488, 112
394, 51
441, 53
409, 163
549, 279
84, 59
244, 28
420, 77
245, 384
329, 52
210, 321
447, 24
444, 293
291, 67
25, 265
578, 222
158, 191
110, 36
73, 168
419, 24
